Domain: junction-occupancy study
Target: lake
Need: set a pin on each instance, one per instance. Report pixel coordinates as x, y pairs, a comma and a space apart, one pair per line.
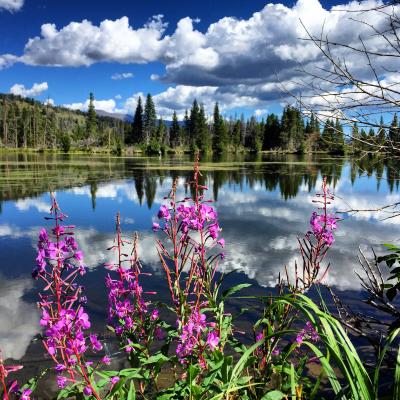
264, 203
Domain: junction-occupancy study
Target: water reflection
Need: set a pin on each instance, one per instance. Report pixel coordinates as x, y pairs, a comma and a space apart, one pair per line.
19, 320
264, 203
30, 175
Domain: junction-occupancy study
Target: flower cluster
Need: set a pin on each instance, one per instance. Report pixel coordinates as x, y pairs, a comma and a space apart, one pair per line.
59, 263
323, 226
308, 332
190, 218
128, 313
192, 235
315, 245
189, 253
191, 340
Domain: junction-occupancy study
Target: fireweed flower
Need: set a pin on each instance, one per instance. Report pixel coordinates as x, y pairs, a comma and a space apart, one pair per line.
322, 227
133, 318
26, 394
194, 339
315, 244
307, 333
212, 340
323, 224
190, 243
59, 262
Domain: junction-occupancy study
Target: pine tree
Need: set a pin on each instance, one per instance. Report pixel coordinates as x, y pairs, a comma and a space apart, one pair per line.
253, 138
236, 135
161, 131
292, 129
338, 139
310, 125
91, 121
5, 121
174, 131
355, 136
271, 132
220, 133
381, 133
204, 137
149, 120
394, 132
194, 126
137, 125
242, 130
328, 136
186, 130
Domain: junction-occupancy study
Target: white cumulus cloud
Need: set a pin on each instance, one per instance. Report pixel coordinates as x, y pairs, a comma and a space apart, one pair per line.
108, 105
35, 90
11, 5
82, 43
19, 320
235, 61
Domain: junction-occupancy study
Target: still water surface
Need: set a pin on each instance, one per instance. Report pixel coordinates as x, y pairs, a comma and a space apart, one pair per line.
263, 204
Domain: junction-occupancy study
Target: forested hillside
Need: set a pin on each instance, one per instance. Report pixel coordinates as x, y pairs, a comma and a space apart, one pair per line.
27, 123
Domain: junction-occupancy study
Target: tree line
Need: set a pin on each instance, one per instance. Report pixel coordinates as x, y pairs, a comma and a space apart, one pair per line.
27, 123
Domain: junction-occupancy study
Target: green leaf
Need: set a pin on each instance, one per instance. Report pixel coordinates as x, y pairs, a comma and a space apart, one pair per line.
132, 392
274, 395
235, 289
158, 358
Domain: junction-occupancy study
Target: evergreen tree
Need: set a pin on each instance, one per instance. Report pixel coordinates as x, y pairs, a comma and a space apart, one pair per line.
137, 125
220, 133
328, 136
364, 140
194, 126
371, 133
292, 129
5, 121
149, 120
204, 137
185, 140
91, 121
310, 125
394, 131
242, 130
381, 137
337, 146
271, 132
236, 135
174, 131
355, 136
161, 132
253, 137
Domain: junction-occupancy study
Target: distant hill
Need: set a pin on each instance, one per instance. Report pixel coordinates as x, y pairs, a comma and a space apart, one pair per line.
26, 122
129, 118
122, 117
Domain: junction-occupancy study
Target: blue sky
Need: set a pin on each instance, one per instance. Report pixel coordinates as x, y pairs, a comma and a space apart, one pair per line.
232, 51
